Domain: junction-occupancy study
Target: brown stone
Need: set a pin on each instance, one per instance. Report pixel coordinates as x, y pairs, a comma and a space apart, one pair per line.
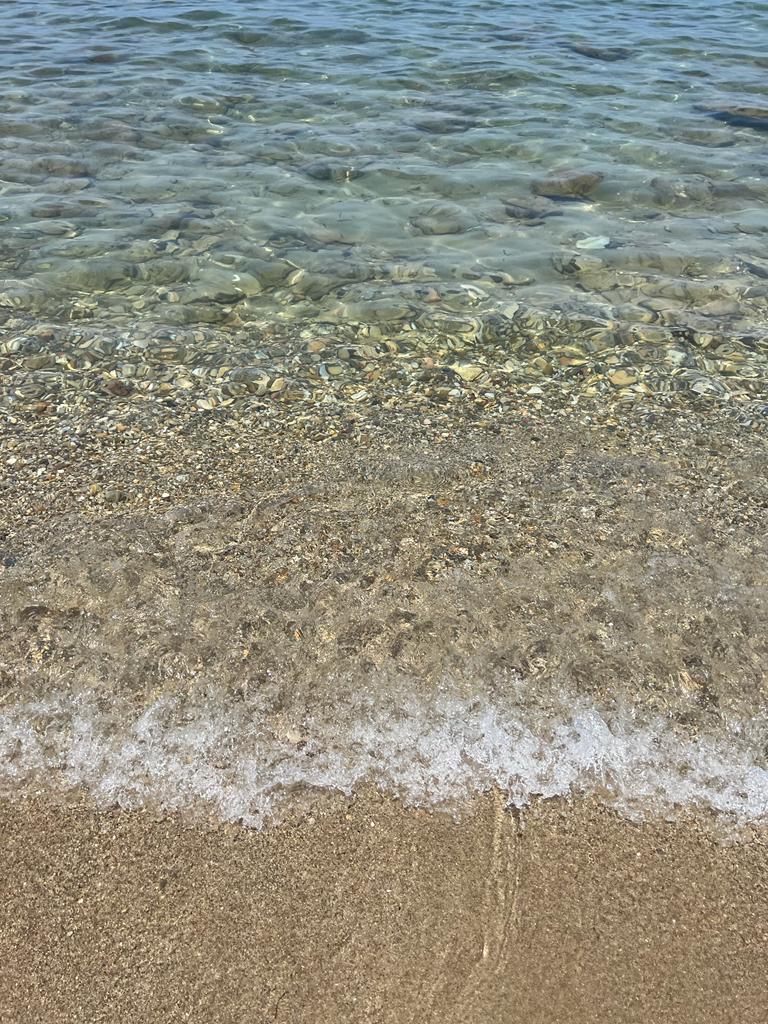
568, 185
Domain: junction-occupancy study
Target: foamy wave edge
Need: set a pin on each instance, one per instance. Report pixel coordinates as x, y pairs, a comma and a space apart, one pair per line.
232, 762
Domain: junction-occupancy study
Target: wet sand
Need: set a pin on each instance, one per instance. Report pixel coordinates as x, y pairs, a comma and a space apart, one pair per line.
368, 912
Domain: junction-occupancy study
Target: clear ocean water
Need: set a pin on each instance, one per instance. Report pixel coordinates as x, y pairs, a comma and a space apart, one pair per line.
177, 178
372, 161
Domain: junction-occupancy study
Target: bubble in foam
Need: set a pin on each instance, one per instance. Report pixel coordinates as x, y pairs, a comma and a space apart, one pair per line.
231, 761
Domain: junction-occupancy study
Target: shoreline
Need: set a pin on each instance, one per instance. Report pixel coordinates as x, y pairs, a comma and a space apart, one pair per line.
544, 554
383, 505
211, 757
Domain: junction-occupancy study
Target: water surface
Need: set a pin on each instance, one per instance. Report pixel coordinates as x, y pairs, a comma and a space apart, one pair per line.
229, 162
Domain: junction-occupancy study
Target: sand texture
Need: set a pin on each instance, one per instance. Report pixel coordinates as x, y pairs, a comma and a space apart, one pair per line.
368, 912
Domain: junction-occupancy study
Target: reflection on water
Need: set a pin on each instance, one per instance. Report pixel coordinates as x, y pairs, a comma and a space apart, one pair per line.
228, 163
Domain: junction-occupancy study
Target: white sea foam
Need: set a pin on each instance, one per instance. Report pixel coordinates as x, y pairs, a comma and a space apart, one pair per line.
231, 760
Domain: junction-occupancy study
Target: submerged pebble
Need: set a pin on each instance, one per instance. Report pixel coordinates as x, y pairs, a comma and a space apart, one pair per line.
604, 53
741, 116
593, 242
567, 185
366, 187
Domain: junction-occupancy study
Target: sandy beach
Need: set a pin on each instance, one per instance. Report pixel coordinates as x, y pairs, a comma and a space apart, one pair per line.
383, 513
368, 912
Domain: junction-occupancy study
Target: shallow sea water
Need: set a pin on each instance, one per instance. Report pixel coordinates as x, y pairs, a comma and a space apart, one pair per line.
375, 162
177, 179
